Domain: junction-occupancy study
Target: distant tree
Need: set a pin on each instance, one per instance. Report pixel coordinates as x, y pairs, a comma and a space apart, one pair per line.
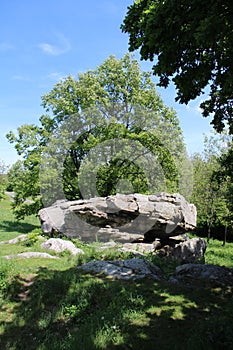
23, 180
209, 194
192, 45
3, 178
224, 175
126, 106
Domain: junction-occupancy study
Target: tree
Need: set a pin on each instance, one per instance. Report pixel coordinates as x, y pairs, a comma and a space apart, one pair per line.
209, 194
192, 43
23, 180
96, 112
224, 175
3, 178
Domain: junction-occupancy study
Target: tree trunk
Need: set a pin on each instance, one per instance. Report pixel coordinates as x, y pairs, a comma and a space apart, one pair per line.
208, 234
225, 236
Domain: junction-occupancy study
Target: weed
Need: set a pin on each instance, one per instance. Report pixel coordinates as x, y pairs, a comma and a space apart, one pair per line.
33, 237
6, 270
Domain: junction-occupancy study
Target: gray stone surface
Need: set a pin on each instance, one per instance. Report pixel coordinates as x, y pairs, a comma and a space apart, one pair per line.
143, 248
120, 217
59, 245
20, 238
28, 255
190, 273
107, 245
124, 269
190, 251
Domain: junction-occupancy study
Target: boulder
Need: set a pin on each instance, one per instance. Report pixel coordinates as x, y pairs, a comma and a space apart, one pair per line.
124, 269
59, 245
189, 251
122, 218
191, 273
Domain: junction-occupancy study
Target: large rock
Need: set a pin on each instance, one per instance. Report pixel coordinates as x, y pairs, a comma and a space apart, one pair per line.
120, 216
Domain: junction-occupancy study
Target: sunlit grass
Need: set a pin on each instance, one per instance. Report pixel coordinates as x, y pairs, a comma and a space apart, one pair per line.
48, 304
219, 255
9, 226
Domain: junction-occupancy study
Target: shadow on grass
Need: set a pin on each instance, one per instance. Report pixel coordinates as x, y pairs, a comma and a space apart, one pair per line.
73, 310
16, 226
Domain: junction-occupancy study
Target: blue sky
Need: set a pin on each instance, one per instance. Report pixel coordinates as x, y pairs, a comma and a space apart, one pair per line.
43, 41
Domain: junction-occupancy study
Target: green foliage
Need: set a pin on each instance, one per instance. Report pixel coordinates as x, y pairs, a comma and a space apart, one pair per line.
6, 269
210, 195
192, 44
105, 117
167, 266
3, 179
33, 237
225, 174
3, 185
23, 180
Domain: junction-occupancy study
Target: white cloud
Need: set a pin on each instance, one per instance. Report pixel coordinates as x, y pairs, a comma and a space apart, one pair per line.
195, 107
4, 46
19, 77
61, 47
55, 76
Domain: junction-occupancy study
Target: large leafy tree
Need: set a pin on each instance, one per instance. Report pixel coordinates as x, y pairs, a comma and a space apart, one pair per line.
113, 102
192, 45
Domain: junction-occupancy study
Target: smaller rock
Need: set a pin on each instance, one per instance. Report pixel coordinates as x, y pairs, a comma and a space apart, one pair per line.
21, 238
59, 245
124, 269
28, 255
131, 250
107, 245
190, 251
18, 239
181, 238
138, 247
212, 273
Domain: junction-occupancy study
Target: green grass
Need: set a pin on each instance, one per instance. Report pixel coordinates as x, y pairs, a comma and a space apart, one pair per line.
219, 255
9, 227
50, 305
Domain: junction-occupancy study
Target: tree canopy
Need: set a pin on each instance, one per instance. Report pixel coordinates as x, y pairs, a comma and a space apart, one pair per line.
192, 45
106, 128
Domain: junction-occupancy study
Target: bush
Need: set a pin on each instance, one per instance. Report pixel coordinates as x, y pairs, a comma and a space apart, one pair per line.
33, 237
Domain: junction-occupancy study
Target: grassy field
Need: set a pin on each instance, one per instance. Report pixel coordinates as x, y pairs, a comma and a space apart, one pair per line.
48, 304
